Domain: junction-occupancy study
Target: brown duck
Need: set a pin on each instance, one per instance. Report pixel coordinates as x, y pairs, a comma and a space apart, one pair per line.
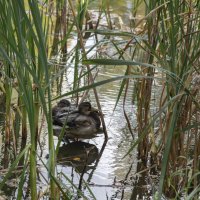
81, 123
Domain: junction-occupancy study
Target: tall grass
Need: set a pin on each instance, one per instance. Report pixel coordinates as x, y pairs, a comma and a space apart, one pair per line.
172, 51
176, 35
24, 54
23, 50
165, 50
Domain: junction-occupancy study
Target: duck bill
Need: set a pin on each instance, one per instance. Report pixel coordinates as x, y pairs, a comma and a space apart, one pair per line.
94, 110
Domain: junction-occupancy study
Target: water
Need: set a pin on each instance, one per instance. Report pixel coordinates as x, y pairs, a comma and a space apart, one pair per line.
113, 175
106, 181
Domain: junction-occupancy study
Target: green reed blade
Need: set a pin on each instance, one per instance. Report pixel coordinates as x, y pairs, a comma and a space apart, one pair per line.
22, 180
14, 165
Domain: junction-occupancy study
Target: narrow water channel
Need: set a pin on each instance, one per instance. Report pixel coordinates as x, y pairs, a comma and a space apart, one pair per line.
112, 174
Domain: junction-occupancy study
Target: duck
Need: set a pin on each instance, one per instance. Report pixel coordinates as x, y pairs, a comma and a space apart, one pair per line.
81, 123
63, 106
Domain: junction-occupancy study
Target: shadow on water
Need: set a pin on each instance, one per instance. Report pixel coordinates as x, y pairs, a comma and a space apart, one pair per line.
141, 188
80, 155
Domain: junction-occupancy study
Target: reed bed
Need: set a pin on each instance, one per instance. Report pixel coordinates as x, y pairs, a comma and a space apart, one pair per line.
171, 49
161, 48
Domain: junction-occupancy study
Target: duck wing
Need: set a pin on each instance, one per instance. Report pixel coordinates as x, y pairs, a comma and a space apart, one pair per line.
68, 109
95, 117
82, 121
66, 117
58, 111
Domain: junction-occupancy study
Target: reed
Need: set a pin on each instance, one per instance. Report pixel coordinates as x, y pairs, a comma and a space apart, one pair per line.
177, 51
82, 11
166, 50
172, 30
24, 49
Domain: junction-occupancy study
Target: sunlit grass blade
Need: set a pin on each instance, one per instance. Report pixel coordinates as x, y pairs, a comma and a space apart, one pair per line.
102, 83
117, 33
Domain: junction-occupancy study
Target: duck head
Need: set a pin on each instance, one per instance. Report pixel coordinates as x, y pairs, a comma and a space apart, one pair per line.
63, 103
85, 108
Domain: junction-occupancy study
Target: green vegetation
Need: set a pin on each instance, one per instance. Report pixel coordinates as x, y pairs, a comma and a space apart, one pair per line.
162, 46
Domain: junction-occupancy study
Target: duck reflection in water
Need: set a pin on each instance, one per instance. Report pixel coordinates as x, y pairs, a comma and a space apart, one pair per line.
83, 123
78, 154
